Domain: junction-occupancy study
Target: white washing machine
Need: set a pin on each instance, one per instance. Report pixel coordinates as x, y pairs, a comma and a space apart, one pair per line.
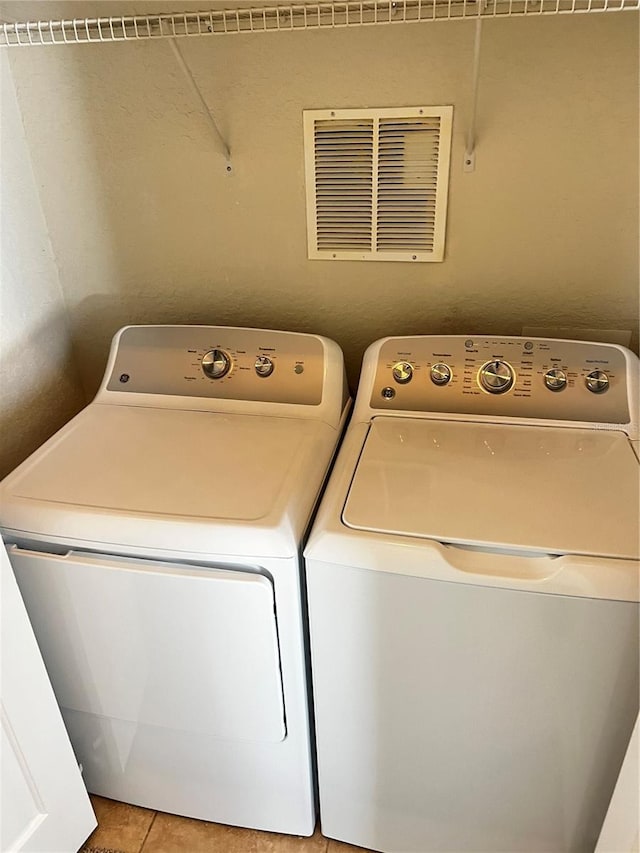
473, 577
157, 543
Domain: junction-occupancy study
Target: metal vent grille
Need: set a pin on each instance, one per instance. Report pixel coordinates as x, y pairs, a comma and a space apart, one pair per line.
407, 183
343, 181
377, 183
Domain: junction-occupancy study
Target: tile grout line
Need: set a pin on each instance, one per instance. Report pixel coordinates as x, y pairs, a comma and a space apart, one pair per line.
144, 840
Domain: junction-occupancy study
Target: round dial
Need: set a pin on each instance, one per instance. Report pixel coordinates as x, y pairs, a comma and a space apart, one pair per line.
440, 373
263, 365
496, 377
555, 379
216, 363
597, 381
402, 372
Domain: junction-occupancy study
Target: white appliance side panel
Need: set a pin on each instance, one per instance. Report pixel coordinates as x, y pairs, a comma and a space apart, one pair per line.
44, 804
621, 828
171, 646
451, 717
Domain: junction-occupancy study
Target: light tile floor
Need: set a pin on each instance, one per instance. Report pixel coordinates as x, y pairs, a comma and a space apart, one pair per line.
130, 829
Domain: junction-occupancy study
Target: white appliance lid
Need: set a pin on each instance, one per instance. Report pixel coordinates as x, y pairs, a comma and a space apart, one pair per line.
165, 462
543, 489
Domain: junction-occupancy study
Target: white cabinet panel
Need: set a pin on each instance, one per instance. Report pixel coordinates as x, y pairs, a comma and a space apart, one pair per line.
44, 805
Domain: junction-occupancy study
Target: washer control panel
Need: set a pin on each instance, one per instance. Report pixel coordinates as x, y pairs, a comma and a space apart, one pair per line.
220, 362
503, 376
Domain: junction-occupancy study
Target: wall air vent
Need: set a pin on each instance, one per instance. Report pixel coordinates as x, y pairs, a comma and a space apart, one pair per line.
377, 183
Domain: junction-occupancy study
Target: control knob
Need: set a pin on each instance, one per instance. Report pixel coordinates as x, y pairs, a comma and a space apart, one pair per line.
440, 373
402, 372
496, 377
597, 381
555, 379
264, 366
216, 363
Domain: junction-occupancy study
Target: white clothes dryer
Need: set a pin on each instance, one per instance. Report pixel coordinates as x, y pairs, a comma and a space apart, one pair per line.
157, 541
473, 584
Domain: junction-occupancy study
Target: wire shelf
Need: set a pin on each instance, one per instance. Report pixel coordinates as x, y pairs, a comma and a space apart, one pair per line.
353, 13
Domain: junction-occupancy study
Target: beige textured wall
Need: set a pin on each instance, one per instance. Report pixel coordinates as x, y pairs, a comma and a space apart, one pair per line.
39, 385
146, 226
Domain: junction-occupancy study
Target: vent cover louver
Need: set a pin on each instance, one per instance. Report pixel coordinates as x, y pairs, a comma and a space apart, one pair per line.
377, 183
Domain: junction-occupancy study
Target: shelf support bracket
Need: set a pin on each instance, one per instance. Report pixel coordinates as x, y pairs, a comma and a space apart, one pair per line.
220, 140
470, 150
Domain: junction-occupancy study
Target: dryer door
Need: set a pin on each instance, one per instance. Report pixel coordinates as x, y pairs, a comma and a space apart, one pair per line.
181, 647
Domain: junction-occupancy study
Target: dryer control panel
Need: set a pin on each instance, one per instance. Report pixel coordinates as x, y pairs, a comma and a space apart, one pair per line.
503, 377
220, 363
